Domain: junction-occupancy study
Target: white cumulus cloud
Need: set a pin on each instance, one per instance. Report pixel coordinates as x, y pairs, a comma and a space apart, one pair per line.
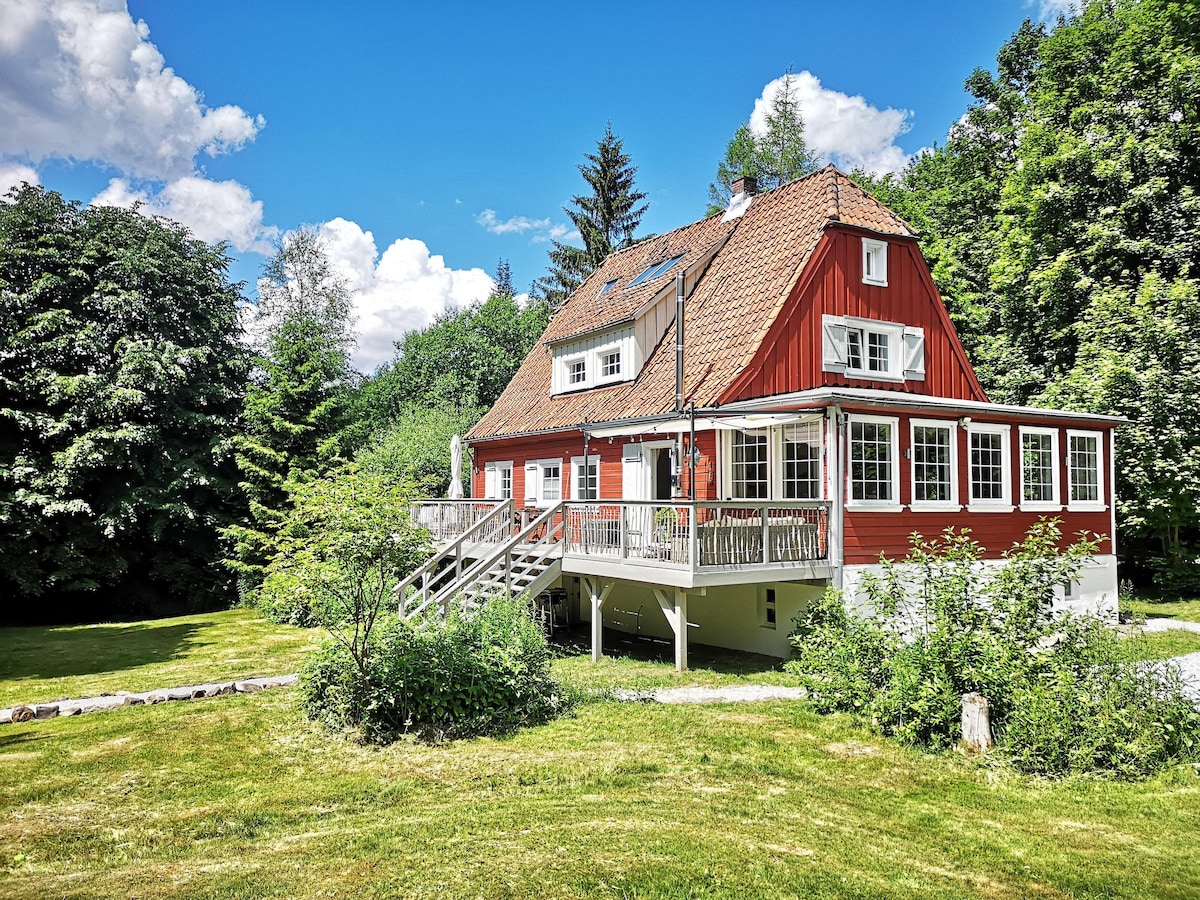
1050, 10
211, 210
12, 174
840, 128
79, 79
515, 225
398, 291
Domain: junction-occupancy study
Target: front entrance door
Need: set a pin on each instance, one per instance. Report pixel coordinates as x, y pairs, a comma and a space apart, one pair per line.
663, 489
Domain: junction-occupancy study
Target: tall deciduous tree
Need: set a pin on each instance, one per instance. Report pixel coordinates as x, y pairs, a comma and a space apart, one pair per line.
777, 156
121, 375
606, 219
297, 400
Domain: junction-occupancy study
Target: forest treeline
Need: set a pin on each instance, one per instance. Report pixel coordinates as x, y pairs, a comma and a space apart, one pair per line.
154, 426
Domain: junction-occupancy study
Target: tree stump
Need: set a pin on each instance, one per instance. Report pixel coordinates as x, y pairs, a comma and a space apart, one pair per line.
976, 723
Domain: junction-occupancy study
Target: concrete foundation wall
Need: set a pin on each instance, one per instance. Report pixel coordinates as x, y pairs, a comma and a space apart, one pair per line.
731, 617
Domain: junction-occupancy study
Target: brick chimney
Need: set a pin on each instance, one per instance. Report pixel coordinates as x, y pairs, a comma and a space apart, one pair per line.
745, 184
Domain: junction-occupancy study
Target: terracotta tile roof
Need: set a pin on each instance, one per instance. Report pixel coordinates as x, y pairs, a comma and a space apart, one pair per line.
727, 315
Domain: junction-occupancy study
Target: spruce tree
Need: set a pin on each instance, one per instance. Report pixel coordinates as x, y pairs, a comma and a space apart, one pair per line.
777, 156
606, 220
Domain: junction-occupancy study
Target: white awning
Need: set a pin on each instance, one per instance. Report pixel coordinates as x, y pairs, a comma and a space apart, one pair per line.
670, 426
752, 422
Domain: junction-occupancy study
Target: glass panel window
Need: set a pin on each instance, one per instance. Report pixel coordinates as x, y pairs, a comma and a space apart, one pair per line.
1037, 467
877, 351
610, 364
608, 286
577, 371
506, 482
931, 461
854, 349
587, 478
552, 483
749, 469
1083, 467
987, 466
871, 462
802, 461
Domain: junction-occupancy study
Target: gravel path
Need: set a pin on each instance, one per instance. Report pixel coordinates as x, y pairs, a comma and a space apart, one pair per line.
739, 693
1156, 625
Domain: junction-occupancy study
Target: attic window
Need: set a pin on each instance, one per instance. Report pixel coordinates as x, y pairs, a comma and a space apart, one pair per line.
577, 371
874, 262
655, 270
608, 286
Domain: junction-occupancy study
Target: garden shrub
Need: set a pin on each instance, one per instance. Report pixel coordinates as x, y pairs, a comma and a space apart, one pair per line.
1065, 698
483, 673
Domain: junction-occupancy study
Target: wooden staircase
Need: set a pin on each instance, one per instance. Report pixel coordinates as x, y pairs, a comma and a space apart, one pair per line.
479, 564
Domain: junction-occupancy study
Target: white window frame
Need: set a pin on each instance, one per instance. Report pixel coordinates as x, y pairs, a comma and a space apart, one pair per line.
728, 467
1100, 504
952, 504
906, 349
538, 496
493, 480
568, 375
1004, 503
874, 261
777, 470
1054, 504
892, 504
601, 353
577, 463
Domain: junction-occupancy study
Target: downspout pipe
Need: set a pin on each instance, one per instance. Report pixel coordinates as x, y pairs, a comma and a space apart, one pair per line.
837, 525
679, 288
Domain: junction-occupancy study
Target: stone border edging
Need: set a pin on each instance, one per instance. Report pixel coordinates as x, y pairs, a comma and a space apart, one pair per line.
39, 711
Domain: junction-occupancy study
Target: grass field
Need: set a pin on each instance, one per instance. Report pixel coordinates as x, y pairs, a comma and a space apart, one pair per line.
239, 797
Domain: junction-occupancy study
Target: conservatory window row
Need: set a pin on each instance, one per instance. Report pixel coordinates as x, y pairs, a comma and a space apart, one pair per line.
874, 466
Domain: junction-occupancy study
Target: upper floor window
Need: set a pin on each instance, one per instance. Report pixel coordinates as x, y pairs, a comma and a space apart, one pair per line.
874, 475
608, 286
989, 465
802, 461
874, 262
610, 364
1039, 469
934, 464
577, 371
1085, 475
748, 479
869, 348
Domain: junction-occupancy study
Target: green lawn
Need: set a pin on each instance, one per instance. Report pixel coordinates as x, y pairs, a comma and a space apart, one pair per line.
39, 664
1164, 644
1188, 610
240, 797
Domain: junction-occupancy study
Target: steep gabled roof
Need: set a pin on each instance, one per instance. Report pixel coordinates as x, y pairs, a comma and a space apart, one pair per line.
728, 313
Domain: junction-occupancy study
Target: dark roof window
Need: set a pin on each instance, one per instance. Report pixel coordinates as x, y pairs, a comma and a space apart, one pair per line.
655, 270
608, 286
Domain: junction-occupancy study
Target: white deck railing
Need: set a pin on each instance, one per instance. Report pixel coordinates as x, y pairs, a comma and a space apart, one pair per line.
699, 535
448, 519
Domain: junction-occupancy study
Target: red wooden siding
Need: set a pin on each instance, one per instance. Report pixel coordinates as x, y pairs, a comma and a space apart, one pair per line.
790, 358
868, 533
568, 445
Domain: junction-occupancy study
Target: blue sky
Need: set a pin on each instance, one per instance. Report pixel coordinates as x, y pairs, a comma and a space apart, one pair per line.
430, 140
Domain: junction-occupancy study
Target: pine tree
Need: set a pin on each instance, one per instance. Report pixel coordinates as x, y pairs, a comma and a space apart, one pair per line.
296, 402
777, 156
504, 285
606, 220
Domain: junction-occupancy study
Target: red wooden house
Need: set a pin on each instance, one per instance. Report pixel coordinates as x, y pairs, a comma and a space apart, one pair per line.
726, 419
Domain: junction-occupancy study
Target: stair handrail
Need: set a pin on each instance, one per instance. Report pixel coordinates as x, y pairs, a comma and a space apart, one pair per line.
426, 571
484, 564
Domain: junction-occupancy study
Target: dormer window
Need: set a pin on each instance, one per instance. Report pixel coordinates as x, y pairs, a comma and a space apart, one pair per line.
608, 286
874, 262
610, 364
577, 371
655, 270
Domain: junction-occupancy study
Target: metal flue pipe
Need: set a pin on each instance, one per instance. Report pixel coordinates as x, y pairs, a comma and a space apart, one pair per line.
679, 281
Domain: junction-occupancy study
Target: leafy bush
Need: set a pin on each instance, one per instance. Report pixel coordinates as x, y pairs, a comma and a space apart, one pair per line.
485, 673
1064, 695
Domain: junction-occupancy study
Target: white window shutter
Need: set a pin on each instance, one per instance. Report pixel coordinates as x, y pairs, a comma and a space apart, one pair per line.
531, 483
914, 354
833, 343
491, 482
632, 481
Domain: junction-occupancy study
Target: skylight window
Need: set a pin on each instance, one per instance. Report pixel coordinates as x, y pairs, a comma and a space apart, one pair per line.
608, 286
655, 270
